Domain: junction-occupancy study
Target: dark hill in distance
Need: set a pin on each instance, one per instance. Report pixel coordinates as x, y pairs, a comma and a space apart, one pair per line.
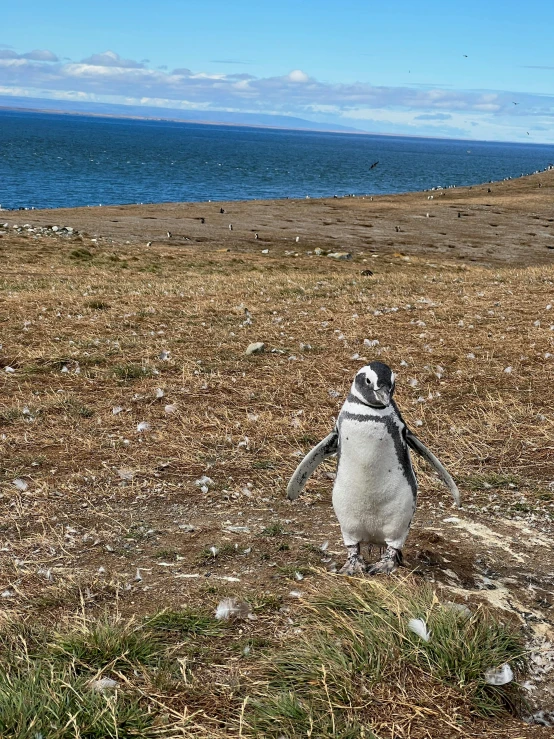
171, 114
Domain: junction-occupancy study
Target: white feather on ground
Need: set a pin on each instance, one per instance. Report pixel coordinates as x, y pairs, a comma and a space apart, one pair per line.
204, 481
499, 675
104, 685
231, 608
419, 627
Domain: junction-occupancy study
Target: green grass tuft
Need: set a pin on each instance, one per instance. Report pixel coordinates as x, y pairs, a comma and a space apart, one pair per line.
263, 464
104, 645
10, 415
97, 305
37, 701
45, 683
184, 622
82, 255
490, 480
130, 372
357, 638
74, 407
275, 529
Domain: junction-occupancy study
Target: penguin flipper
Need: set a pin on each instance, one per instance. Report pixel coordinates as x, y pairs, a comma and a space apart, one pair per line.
418, 446
312, 460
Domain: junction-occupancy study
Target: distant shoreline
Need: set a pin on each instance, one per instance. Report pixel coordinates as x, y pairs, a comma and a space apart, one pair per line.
263, 126
117, 116
246, 201
191, 121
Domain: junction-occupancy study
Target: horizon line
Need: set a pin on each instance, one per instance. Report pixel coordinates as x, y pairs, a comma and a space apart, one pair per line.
168, 118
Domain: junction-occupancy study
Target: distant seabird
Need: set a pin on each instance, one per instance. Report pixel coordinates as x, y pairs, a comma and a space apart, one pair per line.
222, 210
169, 234
256, 236
148, 243
230, 227
374, 165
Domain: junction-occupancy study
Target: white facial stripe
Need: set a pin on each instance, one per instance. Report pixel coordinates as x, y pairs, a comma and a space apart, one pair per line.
371, 376
356, 393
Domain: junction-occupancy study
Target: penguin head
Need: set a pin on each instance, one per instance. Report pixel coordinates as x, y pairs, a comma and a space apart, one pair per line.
374, 384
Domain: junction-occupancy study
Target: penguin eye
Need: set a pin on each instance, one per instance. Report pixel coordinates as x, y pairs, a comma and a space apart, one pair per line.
368, 381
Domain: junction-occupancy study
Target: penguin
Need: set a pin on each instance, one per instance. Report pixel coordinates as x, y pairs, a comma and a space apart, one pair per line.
375, 489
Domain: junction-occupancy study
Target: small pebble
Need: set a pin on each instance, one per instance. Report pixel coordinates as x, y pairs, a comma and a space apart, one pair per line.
255, 348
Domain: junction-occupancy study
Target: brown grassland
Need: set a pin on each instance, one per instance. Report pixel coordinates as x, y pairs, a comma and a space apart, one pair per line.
113, 559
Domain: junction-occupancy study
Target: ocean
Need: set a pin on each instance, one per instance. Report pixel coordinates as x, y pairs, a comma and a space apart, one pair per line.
51, 161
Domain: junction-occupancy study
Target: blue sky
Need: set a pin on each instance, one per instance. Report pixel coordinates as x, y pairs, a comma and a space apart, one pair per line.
436, 68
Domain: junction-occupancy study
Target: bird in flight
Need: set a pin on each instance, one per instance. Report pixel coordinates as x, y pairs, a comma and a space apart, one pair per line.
374, 165
515, 103
464, 55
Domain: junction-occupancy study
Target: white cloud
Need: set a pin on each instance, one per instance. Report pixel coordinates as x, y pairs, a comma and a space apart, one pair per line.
108, 77
433, 117
297, 75
37, 55
111, 59
40, 55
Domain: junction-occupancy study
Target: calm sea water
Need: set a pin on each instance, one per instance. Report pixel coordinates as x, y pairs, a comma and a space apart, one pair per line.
49, 161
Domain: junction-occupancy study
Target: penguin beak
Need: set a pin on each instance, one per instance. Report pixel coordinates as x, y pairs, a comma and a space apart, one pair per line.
383, 395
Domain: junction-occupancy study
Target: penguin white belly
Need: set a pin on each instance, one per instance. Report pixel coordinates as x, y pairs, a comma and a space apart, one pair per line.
373, 498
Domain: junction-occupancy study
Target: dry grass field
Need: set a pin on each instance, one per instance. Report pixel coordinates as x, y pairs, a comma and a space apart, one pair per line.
124, 381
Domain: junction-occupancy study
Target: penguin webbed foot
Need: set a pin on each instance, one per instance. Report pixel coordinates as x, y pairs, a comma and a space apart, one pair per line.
354, 564
389, 562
